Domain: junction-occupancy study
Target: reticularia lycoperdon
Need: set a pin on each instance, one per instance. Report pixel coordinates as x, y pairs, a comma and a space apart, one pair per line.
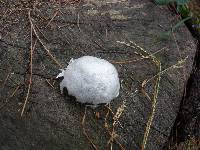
90, 80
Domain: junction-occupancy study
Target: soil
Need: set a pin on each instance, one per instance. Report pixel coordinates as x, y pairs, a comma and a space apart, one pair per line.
59, 31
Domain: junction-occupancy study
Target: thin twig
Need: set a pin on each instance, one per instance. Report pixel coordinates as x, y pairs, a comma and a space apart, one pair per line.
31, 68
49, 83
78, 22
41, 33
55, 14
47, 50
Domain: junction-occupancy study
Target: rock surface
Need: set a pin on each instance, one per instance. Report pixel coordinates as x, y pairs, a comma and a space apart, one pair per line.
106, 29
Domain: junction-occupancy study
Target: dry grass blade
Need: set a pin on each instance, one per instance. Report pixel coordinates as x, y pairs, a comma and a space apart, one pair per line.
119, 112
6, 79
84, 132
31, 67
144, 92
154, 102
55, 14
113, 134
156, 87
146, 54
13, 93
177, 65
135, 60
37, 36
47, 80
155, 94
113, 114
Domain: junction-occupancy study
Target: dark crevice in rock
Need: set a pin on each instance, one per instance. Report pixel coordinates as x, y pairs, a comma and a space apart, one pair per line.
187, 123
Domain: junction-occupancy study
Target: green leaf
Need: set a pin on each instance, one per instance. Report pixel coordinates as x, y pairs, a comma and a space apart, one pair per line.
182, 2
165, 35
163, 2
183, 10
180, 23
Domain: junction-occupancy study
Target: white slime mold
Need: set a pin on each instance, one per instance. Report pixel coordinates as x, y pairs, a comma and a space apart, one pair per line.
90, 80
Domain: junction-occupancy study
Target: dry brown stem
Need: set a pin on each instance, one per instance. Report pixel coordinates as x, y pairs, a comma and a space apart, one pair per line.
55, 14
7, 99
37, 36
30, 69
113, 135
84, 131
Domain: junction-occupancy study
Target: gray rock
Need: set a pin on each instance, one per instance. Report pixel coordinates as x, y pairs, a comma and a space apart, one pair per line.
52, 121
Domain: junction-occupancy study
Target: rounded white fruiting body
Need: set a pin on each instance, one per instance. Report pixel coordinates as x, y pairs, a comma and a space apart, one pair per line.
91, 80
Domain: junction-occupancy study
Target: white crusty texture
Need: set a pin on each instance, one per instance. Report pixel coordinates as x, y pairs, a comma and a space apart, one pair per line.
91, 80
